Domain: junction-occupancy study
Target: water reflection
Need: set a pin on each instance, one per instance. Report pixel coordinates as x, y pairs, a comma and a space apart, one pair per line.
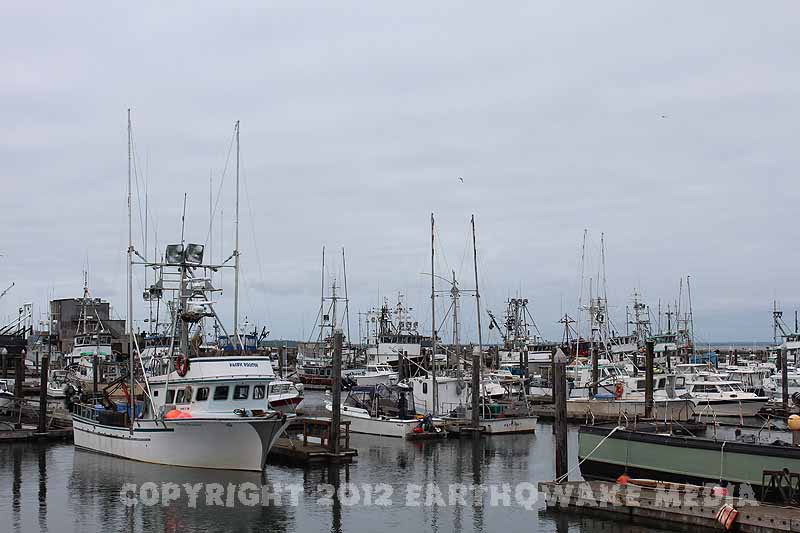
54, 487
98, 480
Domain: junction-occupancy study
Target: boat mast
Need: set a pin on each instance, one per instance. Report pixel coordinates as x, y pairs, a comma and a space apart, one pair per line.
478, 306
129, 322
433, 323
236, 251
346, 299
322, 300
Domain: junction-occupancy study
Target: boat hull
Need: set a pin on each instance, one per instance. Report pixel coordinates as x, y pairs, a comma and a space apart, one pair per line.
681, 410
286, 405
677, 458
229, 444
745, 408
499, 426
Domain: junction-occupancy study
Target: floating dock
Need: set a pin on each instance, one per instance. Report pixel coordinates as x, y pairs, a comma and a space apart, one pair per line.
29, 432
665, 507
295, 451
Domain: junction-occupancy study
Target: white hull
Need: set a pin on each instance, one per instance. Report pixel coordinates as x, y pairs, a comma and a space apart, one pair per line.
729, 407
361, 422
385, 427
383, 379
228, 444
498, 426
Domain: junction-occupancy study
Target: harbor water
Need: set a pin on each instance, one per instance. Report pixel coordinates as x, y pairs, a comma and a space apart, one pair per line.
394, 483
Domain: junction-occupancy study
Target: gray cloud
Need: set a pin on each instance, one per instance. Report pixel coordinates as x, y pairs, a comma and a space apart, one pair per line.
357, 120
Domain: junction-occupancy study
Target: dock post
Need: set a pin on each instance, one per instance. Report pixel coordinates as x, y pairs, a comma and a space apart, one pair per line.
560, 424
648, 380
476, 388
281, 354
336, 392
19, 375
43, 369
784, 380
595, 370
400, 374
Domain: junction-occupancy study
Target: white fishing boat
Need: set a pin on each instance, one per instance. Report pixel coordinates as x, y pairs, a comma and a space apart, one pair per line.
387, 411
392, 331
204, 412
215, 415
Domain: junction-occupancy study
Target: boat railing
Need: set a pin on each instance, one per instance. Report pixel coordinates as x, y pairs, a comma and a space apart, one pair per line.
87, 411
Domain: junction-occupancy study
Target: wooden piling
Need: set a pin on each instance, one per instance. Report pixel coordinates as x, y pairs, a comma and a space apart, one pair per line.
43, 369
19, 375
595, 369
560, 424
782, 356
476, 387
648, 380
336, 392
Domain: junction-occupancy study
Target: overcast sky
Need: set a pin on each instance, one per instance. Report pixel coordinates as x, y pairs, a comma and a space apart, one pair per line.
671, 127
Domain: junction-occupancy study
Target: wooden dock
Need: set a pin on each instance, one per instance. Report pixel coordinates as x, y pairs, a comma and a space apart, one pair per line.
295, 451
308, 441
687, 510
29, 432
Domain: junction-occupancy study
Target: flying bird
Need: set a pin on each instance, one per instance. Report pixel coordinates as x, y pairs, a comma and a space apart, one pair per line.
462, 179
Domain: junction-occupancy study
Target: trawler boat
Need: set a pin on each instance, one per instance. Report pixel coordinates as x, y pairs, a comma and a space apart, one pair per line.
387, 410
215, 415
204, 412
517, 337
394, 332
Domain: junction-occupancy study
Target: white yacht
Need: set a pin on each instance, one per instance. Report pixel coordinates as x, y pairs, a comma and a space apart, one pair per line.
723, 398
374, 375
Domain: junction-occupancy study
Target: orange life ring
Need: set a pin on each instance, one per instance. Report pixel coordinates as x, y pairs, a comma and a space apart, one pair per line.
182, 365
619, 390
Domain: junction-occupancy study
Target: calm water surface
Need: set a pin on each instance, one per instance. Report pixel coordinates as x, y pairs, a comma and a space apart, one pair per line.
57, 488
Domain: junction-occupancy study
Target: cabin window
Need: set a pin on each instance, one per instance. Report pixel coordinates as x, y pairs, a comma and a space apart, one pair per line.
171, 396
241, 392
202, 394
258, 392
424, 388
221, 393
155, 393
181, 396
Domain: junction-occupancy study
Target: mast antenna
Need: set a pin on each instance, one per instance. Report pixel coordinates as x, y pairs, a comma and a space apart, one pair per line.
236, 251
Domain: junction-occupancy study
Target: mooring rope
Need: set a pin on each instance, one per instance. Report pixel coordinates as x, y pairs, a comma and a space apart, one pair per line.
565, 476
